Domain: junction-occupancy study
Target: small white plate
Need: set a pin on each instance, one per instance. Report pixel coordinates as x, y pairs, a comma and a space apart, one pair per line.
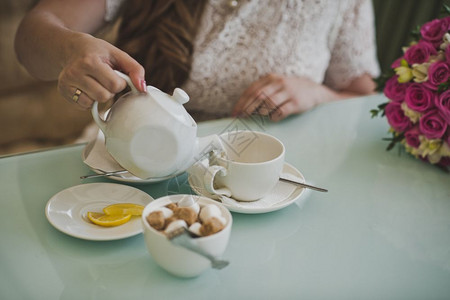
67, 210
102, 160
266, 204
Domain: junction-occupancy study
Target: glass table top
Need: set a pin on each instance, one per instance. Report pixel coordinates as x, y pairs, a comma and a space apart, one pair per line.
381, 232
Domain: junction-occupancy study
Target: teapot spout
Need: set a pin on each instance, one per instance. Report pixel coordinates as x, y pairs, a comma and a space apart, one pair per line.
207, 144
203, 147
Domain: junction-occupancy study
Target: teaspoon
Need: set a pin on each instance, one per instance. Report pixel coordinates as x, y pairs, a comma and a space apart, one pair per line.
304, 185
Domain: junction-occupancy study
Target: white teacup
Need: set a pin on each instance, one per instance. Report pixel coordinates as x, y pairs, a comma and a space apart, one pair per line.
175, 259
248, 170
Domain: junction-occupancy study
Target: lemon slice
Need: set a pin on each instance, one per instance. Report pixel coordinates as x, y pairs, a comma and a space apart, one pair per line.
124, 209
108, 220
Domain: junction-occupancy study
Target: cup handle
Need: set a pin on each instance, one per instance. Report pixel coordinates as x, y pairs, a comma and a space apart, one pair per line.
208, 180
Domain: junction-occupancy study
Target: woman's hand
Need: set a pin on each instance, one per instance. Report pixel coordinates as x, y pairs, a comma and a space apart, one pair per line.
90, 69
54, 41
279, 96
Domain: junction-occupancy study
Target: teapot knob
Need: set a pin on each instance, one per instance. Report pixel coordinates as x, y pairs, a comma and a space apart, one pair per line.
180, 96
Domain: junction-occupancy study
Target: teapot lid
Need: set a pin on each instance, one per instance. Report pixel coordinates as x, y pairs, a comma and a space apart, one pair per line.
173, 104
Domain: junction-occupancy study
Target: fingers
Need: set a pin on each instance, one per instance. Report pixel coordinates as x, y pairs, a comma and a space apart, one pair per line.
80, 99
96, 83
255, 88
278, 106
257, 95
91, 90
269, 96
92, 72
284, 110
77, 97
108, 79
132, 68
278, 96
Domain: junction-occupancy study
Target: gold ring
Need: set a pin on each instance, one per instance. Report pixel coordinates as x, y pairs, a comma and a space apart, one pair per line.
76, 96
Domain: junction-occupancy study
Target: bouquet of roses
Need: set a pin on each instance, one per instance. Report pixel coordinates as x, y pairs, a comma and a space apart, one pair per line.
418, 90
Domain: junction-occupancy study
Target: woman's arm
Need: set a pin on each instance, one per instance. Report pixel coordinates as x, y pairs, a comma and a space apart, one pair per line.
54, 41
45, 36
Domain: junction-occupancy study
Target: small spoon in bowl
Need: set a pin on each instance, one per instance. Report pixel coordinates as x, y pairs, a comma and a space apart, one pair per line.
183, 237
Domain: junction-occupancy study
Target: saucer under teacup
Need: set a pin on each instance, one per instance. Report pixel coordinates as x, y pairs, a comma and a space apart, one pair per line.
96, 157
282, 195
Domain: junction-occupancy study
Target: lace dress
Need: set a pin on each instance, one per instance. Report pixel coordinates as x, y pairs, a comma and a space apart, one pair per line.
331, 42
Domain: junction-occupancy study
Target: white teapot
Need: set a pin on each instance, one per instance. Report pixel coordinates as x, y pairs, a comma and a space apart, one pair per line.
151, 134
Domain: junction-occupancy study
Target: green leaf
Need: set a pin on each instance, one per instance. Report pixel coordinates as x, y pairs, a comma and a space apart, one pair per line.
445, 10
380, 81
390, 146
382, 106
374, 113
396, 138
415, 33
443, 87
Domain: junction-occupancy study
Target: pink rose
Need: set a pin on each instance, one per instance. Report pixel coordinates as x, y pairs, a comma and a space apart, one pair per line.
419, 98
447, 54
443, 105
396, 117
412, 137
395, 90
419, 53
397, 63
432, 125
434, 30
438, 72
430, 86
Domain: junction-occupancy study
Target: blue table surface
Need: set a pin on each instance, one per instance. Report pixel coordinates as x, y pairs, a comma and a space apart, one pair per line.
381, 232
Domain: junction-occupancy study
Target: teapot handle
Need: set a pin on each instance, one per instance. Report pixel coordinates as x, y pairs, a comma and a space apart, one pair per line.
100, 122
128, 80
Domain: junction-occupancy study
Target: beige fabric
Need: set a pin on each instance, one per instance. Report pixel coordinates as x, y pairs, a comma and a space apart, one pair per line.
13, 76
259, 36
32, 113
